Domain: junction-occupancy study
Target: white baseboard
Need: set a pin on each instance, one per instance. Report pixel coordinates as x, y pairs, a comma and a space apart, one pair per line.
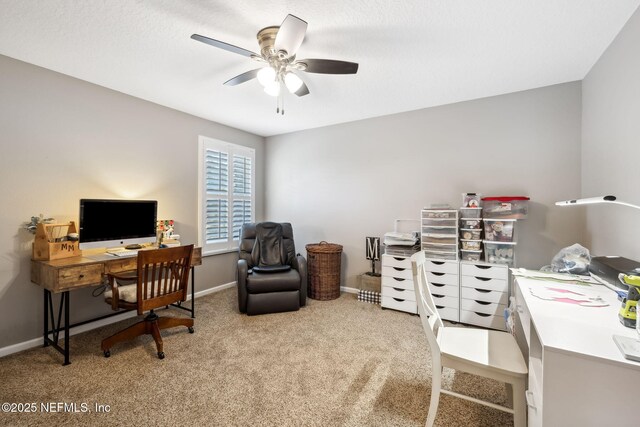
349, 290
36, 342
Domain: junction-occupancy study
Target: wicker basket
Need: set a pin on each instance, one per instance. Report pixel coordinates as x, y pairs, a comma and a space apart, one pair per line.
323, 263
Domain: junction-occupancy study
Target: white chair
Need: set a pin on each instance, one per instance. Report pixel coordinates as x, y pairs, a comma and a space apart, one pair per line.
487, 353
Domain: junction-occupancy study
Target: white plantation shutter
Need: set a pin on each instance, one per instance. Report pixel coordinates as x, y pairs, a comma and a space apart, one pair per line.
227, 193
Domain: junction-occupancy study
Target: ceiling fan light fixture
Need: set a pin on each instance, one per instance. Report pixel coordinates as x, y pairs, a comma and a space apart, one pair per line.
267, 76
273, 88
292, 82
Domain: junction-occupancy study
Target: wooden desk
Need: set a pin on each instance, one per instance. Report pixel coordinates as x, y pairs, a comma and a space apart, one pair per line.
68, 274
577, 375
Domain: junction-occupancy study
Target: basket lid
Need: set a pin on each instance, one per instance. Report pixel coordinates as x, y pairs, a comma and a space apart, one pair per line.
323, 247
505, 199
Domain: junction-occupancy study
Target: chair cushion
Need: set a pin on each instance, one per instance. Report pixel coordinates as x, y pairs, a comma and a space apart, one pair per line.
258, 283
126, 293
272, 269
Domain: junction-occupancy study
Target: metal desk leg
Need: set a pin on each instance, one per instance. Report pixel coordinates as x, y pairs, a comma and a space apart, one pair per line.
193, 293
56, 325
45, 333
66, 328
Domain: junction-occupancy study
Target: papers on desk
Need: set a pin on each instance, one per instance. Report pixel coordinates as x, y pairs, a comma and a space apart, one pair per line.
581, 298
575, 279
629, 347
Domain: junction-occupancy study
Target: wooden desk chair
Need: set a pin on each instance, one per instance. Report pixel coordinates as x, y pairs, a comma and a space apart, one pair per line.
487, 353
162, 278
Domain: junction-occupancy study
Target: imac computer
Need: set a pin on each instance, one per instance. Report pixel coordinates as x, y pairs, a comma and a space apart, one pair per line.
114, 223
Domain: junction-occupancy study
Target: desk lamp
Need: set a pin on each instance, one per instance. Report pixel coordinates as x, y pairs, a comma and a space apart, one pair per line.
594, 200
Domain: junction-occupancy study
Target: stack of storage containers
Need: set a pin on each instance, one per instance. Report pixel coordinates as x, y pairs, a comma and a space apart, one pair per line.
470, 233
500, 215
440, 233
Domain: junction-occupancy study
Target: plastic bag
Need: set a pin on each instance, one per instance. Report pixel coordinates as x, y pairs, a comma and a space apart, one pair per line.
573, 259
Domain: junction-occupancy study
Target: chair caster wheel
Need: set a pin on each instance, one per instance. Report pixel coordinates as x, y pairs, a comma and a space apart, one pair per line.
191, 330
161, 355
107, 353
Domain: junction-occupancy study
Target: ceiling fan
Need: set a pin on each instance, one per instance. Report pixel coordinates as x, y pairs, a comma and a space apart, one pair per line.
278, 48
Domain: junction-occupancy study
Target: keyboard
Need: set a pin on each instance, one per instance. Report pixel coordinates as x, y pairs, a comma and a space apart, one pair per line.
125, 253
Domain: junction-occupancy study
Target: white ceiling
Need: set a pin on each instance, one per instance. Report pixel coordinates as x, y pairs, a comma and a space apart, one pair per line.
412, 53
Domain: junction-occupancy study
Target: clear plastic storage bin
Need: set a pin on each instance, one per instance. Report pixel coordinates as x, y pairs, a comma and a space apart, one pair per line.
499, 230
466, 255
470, 245
470, 233
470, 223
470, 212
514, 207
500, 252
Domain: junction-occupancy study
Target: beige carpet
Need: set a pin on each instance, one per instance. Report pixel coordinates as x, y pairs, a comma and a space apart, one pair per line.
333, 363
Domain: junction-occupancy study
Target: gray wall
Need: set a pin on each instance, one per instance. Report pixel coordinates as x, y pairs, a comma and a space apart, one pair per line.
344, 182
64, 139
611, 145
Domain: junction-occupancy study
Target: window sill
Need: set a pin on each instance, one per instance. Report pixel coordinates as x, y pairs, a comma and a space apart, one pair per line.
219, 251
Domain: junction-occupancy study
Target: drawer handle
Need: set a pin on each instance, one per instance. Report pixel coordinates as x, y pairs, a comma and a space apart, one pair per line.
484, 279
482, 302
435, 273
398, 299
398, 259
437, 296
399, 290
483, 267
531, 403
399, 279
486, 291
482, 314
439, 307
438, 285
437, 262
399, 269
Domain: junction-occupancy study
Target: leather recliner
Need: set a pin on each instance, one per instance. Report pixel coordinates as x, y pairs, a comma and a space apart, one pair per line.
271, 277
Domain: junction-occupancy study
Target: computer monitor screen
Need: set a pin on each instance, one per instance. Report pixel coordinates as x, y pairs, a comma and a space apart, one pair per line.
109, 223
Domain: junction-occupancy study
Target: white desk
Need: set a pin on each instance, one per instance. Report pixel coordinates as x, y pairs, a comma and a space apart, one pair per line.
577, 375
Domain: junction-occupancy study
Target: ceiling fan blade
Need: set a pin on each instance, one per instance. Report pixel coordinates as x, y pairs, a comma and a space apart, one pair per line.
241, 78
328, 66
290, 35
304, 90
225, 46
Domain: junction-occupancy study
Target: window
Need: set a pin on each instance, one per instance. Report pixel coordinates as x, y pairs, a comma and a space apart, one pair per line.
226, 193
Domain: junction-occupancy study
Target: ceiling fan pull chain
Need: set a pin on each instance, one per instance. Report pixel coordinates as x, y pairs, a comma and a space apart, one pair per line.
278, 104
282, 112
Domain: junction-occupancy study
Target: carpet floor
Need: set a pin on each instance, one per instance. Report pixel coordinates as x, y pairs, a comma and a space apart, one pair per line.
333, 363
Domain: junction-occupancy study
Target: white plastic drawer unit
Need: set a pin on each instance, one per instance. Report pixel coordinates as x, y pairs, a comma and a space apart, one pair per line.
482, 319
439, 266
398, 272
498, 285
449, 290
400, 293
483, 295
397, 282
440, 230
399, 304
445, 301
396, 261
442, 278
484, 270
478, 306
439, 214
448, 313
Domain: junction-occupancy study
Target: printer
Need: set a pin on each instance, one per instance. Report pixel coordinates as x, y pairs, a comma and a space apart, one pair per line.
606, 269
